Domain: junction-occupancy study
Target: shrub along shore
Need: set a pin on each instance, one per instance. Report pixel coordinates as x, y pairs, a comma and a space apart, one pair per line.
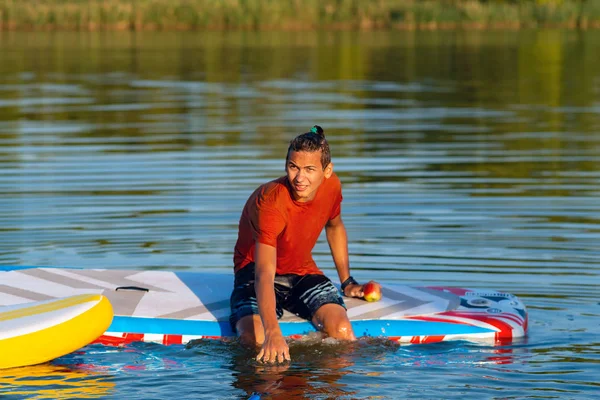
92, 15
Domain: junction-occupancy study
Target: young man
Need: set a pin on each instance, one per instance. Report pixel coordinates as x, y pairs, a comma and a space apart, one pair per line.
274, 268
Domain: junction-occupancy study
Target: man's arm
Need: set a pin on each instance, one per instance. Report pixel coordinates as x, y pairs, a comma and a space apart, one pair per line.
274, 347
338, 244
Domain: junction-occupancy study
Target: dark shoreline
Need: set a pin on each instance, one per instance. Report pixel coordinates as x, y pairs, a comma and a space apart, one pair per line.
290, 15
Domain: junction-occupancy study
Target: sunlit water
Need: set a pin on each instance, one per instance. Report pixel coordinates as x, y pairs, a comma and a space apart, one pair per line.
468, 159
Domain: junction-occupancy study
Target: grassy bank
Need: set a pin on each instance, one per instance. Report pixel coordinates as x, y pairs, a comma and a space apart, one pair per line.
295, 14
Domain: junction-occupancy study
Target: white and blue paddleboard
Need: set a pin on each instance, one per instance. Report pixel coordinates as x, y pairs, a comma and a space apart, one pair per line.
176, 307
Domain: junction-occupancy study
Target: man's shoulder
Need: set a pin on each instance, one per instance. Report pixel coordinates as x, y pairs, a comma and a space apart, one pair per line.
271, 192
334, 183
335, 179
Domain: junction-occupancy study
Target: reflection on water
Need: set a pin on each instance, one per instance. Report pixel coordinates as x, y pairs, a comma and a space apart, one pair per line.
468, 159
48, 381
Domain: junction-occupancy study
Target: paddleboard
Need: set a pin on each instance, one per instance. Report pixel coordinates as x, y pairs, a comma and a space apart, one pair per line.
39, 331
175, 307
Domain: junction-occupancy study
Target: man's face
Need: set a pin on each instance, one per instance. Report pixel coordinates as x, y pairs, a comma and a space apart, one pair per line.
305, 174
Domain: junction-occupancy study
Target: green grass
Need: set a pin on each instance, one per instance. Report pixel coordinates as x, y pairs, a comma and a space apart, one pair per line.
295, 14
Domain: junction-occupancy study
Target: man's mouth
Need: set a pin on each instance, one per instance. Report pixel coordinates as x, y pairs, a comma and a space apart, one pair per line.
300, 188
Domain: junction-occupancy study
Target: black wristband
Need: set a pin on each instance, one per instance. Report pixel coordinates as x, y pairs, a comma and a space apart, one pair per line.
349, 281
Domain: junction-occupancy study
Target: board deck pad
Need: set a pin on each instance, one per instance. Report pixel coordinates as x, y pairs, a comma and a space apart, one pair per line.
178, 306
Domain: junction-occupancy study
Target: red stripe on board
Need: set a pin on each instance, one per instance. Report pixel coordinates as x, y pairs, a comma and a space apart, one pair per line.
517, 318
212, 337
134, 337
433, 339
505, 330
109, 340
513, 317
126, 338
484, 317
427, 339
415, 339
172, 339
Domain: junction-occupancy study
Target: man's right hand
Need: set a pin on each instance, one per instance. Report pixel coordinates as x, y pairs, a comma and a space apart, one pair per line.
274, 349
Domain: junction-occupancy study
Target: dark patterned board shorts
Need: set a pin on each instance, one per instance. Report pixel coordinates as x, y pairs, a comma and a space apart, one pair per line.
302, 295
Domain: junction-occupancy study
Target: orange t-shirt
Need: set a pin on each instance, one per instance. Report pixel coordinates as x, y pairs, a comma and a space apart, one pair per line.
271, 216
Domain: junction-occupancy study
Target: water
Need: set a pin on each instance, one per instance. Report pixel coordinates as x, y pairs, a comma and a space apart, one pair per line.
467, 158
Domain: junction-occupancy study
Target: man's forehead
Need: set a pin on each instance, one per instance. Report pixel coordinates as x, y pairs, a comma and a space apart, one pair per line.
305, 158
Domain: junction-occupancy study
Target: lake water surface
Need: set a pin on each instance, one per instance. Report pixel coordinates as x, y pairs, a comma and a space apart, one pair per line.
468, 159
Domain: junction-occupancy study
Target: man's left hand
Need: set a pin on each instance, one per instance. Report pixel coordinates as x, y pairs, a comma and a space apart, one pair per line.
358, 290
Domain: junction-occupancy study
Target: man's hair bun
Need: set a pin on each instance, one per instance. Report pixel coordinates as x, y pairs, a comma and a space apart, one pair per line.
318, 130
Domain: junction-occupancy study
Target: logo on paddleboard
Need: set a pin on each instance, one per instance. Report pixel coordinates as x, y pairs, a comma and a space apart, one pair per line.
479, 302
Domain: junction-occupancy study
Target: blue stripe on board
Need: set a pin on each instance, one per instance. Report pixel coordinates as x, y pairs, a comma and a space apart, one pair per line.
189, 327
375, 328
14, 267
169, 326
386, 328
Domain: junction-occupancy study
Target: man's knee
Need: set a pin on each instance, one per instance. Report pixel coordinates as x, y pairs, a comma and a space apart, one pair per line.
333, 320
342, 330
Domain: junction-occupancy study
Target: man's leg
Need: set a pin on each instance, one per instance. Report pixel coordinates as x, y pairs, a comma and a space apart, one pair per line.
250, 331
333, 320
244, 316
315, 298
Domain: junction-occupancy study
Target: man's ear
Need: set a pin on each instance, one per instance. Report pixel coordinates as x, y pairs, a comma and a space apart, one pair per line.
328, 170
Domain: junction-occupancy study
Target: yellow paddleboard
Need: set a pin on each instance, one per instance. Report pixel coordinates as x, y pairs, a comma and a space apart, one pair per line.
33, 333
